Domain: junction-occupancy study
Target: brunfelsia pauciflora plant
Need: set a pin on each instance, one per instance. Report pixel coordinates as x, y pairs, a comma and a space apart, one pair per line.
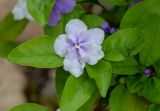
98, 66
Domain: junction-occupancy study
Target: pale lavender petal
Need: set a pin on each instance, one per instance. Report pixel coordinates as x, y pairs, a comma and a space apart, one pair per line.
78, 39
61, 45
83, 38
83, 52
91, 53
73, 38
73, 63
72, 53
73, 66
95, 57
65, 6
96, 35
75, 27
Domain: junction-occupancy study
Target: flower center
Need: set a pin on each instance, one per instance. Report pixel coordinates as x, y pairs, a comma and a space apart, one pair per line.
77, 46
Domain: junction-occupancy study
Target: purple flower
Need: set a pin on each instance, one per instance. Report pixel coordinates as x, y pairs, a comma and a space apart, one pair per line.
79, 46
107, 28
60, 7
148, 72
112, 30
137, 1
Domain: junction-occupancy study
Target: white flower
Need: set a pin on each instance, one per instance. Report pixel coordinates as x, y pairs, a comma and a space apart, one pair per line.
58, 109
79, 46
20, 11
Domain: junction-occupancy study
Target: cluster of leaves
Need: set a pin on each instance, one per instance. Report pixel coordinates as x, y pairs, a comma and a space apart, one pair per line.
119, 77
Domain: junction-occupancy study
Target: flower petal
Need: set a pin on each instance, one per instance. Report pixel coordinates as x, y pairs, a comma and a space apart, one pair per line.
91, 53
65, 6
54, 17
18, 14
58, 109
96, 35
28, 16
73, 66
20, 11
92, 60
75, 27
61, 45
73, 63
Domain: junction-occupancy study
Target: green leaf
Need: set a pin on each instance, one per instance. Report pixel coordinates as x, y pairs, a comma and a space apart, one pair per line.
93, 21
10, 28
76, 93
37, 52
61, 78
101, 73
55, 31
127, 67
122, 44
115, 2
145, 86
149, 23
40, 10
30, 107
122, 100
157, 68
154, 107
90, 104
5, 48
